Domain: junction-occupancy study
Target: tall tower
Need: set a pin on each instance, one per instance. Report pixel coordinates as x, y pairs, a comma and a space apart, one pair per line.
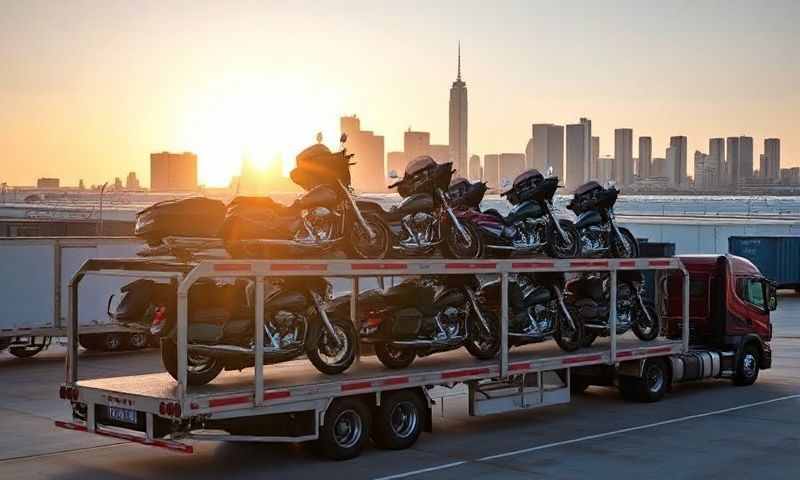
458, 122
623, 156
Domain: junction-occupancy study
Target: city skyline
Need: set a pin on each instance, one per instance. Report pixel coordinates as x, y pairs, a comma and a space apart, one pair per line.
98, 98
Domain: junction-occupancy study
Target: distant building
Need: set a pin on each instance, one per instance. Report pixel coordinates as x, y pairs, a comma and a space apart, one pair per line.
491, 170
548, 148
716, 157
396, 161
173, 171
475, 171
458, 122
117, 183
740, 159
595, 156
732, 160
659, 167
623, 156
511, 165
771, 167
579, 153
705, 170
416, 144
131, 182
529, 153
669, 166
790, 176
369, 171
46, 182
605, 168
643, 168
679, 144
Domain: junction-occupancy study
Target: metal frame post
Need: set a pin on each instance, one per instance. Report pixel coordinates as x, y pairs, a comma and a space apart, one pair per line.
685, 333
183, 326
504, 324
72, 328
354, 317
57, 284
259, 336
612, 313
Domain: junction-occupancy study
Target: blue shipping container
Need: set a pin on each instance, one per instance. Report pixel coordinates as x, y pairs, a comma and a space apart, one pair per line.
778, 258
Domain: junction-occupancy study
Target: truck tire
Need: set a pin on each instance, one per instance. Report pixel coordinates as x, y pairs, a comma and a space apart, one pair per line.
399, 420
201, 370
346, 429
137, 340
747, 366
111, 342
90, 342
394, 358
648, 388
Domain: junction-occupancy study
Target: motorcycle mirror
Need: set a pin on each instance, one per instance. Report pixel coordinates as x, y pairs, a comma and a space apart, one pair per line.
550, 171
505, 183
343, 138
611, 183
393, 174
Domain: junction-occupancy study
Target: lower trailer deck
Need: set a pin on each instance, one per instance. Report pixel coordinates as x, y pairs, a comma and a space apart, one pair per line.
300, 381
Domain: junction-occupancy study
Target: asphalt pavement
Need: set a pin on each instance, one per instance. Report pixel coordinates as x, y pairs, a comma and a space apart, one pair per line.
701, 430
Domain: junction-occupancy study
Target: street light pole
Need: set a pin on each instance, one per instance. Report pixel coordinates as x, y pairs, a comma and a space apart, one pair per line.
100, 223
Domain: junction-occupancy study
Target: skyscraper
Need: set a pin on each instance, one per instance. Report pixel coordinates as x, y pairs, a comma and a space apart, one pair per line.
491, 170
623, 156
475, 172
772, 167
579, 153
369, 170
716, 157
644, 168
511, 165
669, 166
745, 159
679, 146
173, 171
733, 163
548, 148
458, 121
595, 155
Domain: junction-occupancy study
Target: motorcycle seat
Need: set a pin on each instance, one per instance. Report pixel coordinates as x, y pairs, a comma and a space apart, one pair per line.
498, 216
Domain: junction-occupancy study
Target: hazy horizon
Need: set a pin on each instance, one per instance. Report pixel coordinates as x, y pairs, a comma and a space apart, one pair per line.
89, 89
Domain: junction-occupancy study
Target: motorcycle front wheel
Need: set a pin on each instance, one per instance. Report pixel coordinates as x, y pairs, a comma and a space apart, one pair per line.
568, 338
360, 245
481, 344
625, 247
394, 358
454, 245
569, 247
645, 329
330, 358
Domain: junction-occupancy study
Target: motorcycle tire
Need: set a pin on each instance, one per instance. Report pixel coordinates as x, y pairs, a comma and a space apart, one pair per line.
452, 247
554, 241
486, 350
199, 373
588, 338
378, 248
394, 358
573, 341
346, 333
619, 250
643, 334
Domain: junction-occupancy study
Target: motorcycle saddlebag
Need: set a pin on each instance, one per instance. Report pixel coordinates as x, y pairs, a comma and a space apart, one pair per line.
188, 217
256, 217
524, 186
137, 298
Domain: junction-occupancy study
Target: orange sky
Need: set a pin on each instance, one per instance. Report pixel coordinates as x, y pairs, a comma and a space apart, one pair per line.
88, 88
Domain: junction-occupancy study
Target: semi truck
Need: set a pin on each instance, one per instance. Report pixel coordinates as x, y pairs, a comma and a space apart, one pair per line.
716, 307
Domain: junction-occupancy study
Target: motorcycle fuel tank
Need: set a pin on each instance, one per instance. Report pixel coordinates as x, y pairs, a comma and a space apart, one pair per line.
319, 196
588, 219
419, 202
525, 210
289, 300
538, 296
450, 297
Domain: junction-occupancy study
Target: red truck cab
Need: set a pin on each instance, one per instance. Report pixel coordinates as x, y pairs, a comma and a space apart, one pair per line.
729, 309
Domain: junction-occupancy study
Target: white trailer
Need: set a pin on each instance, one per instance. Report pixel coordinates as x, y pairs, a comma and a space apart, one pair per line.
36, 271
297, 403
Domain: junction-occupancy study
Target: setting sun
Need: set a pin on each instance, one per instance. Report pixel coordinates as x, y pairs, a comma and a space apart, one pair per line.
262, 117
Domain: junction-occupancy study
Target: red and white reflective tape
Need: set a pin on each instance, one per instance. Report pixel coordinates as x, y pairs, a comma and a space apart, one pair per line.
379, 266
588, 263
469, 372
168, 444
581, 359
298, 267
533, 265
470, 266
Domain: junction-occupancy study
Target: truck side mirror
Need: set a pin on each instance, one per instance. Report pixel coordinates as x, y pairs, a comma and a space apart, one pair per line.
393, 174
772, 296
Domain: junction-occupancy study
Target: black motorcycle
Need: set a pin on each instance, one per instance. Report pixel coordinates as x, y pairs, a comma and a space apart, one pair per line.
424, 220
599, 234
221, 333
423, 316
531, 227
537, 310
589, 296
326, 218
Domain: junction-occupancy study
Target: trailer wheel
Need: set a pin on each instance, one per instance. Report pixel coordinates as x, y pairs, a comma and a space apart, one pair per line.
394, 358
137, 340
111, 342
747, 366
650, 387
399, 420
345, 430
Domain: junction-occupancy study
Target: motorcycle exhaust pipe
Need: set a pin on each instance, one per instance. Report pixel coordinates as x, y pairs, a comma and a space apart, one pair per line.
271, 242
428, 343
211, 350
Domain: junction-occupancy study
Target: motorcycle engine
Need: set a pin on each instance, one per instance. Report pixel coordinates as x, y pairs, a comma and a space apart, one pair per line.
319, 222
421, 224
595, 238
624, 304
285, 327
449, 321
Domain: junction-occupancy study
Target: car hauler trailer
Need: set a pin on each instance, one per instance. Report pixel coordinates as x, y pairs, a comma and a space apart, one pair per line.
296, 403
36, 272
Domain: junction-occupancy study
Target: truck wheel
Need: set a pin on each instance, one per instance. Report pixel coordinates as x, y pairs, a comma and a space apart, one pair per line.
399, 420
137, 340
345, 430
200, 369
110, 342
27, 351
747, 367
394, 358
652, 385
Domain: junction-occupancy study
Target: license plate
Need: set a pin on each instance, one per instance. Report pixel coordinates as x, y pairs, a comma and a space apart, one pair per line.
122, 415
